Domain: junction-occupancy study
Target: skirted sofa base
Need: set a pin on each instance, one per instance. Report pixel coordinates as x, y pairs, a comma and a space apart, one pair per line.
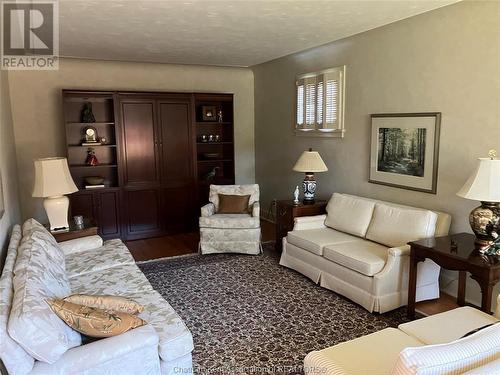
357, 286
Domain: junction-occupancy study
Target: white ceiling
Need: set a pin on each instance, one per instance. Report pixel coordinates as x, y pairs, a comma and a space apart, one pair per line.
224, 32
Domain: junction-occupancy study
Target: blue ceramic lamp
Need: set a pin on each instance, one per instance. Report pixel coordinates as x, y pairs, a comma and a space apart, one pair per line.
310, 162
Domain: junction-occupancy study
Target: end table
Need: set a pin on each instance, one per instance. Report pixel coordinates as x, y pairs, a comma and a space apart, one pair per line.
287, 211
455, 252
89, 229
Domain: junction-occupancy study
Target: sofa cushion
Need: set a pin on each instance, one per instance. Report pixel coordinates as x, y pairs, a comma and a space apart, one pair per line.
37, 232
118, 281
396, 226
13, 356
215, 190
233, 204
455, 357
175, 338
349, 214
112, 254
114, 303
447, 326
314, 240
491, 368
92, 321
373, 354
31, 322
230, 221
365, 257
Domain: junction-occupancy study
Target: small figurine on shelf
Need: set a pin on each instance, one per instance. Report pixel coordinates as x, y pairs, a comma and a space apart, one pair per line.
212, 174
91, 158
296, 195
219, 115
104, 141
87, 115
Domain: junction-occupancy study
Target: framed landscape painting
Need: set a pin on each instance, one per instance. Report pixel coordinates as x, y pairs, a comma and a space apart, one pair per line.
405, 150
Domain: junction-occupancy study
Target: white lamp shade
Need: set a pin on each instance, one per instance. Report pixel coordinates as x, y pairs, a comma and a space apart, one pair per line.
484, 183
52, 178
310, 161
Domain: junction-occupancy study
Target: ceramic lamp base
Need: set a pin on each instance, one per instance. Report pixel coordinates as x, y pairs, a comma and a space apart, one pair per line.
57, 212
309, 185
484, 220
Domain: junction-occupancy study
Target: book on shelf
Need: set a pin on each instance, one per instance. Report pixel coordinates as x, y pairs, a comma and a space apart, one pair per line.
91, 144
94, 186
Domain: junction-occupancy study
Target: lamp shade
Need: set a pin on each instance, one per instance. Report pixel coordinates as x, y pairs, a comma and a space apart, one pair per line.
310, 161
484, 183
52, 178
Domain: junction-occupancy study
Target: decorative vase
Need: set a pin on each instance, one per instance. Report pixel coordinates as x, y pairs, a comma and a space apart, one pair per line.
485, 222
309, 185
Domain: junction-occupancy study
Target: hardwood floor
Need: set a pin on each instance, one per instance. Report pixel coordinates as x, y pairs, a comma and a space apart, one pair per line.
444, 303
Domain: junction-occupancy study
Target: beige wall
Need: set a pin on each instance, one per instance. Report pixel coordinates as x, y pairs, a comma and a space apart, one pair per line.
37, 107
446, 60
8, 168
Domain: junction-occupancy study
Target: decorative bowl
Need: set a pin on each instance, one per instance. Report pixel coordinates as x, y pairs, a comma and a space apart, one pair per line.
94, 180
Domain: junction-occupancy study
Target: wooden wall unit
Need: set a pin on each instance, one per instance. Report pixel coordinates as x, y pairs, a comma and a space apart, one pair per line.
156, 166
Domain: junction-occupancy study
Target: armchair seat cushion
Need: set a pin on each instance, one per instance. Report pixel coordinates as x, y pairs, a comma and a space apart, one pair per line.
230, 221
314, 240
364, 257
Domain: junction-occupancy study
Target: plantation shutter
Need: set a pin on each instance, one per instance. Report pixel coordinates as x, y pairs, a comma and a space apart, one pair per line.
310, 102
300, 95
320, 103
333, 100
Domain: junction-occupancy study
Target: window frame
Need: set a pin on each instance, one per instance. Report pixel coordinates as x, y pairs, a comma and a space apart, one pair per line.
321, 129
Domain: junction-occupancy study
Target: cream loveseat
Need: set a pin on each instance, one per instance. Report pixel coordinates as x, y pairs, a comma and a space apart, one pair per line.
359, 250
430, 346
33, 340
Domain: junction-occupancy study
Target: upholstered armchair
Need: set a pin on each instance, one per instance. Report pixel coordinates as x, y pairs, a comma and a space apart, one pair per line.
230, 232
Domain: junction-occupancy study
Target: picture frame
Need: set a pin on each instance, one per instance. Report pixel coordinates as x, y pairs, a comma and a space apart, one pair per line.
2, 204
405, 150
209, 113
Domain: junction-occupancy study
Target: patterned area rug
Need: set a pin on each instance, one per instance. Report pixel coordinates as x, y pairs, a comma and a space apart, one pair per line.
249, 315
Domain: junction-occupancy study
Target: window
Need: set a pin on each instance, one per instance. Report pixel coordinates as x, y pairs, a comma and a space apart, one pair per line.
320, 103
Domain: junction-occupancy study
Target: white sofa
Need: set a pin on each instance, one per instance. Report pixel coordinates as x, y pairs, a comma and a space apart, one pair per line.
33, 340
359, 250
430, 346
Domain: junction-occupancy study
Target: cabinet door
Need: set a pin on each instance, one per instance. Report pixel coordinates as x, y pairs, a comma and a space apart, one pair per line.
177, 165
82, 203
176, 142
142, 213
141, 161
108, 204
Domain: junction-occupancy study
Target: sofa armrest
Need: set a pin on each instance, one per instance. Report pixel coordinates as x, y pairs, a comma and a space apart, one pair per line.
400, 251
80, 244
208, 210
497, 314
256, 209
309, 222
116, 349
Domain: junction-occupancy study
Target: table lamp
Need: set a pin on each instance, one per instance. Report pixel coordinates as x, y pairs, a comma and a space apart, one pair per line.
52, 182
309, 162
484, 185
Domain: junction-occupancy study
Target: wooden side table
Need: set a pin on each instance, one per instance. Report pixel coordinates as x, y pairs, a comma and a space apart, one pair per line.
455, 252
89, 229
287, 211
